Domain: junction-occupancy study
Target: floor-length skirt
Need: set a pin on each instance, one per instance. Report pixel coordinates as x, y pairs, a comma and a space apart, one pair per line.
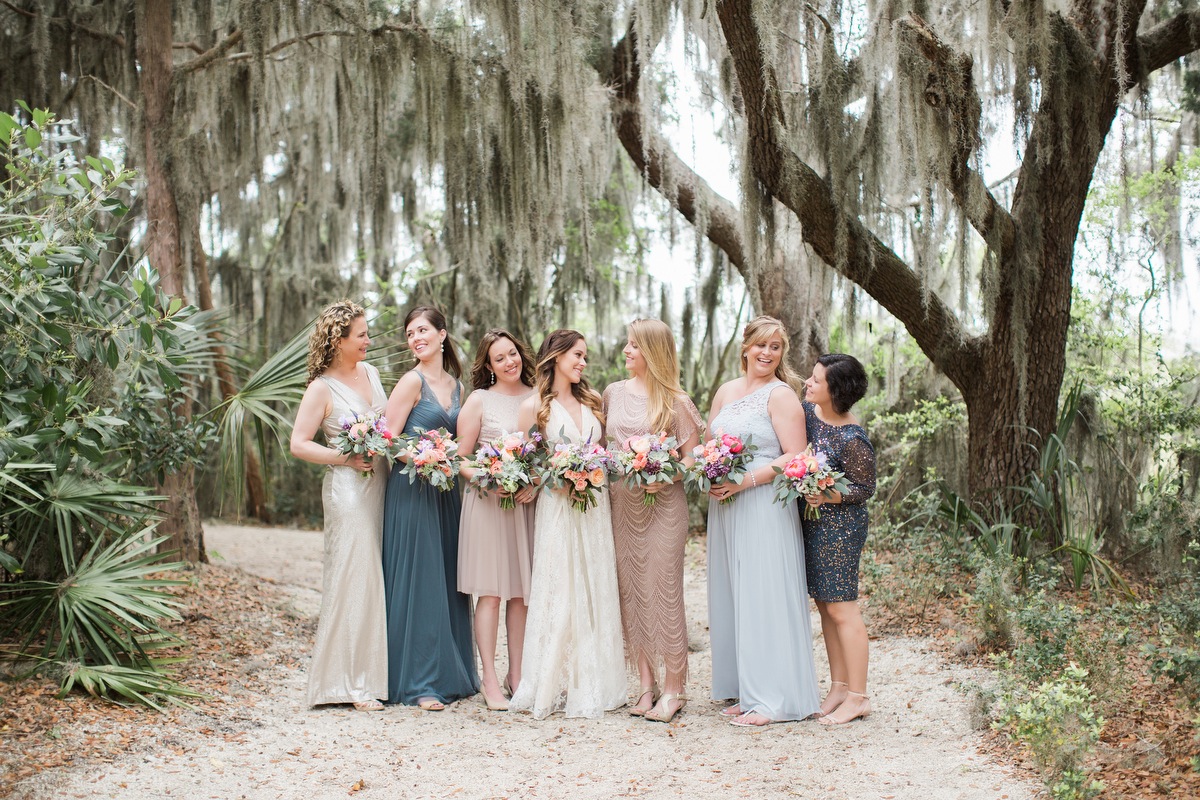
428, 620
759, 623
349, 662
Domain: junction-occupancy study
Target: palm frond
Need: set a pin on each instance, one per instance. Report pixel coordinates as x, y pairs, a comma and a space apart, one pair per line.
118, 682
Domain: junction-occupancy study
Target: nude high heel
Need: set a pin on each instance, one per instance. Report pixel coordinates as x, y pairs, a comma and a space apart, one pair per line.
864, 711
654, 693
665, 703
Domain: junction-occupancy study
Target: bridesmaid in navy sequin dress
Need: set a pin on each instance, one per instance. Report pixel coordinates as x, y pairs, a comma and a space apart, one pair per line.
833, 544
431, 659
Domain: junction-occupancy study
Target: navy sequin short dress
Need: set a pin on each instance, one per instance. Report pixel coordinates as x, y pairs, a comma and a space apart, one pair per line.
833, 544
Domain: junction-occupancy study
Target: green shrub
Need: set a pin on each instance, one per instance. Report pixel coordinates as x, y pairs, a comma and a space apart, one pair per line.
93, 360
1058, 725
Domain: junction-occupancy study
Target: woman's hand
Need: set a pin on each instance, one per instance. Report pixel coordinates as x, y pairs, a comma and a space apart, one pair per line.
525, 494
655, 488
359, 462
831, 496
725, 490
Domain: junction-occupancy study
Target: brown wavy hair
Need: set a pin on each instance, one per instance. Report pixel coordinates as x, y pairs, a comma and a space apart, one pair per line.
761, 329
481, 373
553, 346
437, 319
332, 326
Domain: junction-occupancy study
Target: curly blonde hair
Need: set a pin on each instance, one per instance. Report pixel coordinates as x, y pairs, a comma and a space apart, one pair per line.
553, 346
332, 326
760, 330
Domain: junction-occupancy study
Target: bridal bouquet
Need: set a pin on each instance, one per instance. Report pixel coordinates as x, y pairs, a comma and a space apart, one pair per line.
807, 473
364, 435
721, 459
646, 459
580, 468
505, 464
432, 457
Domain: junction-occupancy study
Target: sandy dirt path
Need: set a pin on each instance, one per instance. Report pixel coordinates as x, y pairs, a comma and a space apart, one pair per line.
917, 745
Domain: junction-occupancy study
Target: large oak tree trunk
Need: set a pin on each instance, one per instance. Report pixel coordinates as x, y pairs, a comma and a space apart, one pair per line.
164, 247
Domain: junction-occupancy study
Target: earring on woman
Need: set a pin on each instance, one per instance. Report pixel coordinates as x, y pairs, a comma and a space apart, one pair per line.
493, 381
443, 347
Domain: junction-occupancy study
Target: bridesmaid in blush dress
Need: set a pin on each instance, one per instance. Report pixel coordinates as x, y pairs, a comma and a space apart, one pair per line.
650, 539
349, 663
758, 603
430, 658
495, 546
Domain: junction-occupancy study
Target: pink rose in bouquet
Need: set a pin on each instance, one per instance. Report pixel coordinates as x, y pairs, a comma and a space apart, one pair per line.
432, 457
364, 435
506, 464
578, 467
808, 473
722, 459
645, 459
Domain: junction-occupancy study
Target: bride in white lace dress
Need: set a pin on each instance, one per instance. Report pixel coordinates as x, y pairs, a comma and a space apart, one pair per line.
574, 658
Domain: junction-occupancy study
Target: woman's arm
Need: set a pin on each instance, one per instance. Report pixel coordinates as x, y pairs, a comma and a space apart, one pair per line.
401, 401
470, 422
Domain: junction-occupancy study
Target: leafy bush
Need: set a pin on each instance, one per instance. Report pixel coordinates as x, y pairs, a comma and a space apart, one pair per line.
1058, 725
92, 365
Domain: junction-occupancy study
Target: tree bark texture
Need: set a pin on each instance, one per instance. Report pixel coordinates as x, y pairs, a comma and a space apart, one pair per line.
164, 246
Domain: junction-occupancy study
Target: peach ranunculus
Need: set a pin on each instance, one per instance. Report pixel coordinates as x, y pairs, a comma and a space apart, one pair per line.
597, 477
638, 444
580, 484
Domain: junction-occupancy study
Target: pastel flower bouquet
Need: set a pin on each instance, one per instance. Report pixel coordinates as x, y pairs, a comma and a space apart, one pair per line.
580, 468
807, 474
364, 435
722, 459
506, 464
432, 457
646, 459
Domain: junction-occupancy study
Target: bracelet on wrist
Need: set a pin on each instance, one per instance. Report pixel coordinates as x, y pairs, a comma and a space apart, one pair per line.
753, 480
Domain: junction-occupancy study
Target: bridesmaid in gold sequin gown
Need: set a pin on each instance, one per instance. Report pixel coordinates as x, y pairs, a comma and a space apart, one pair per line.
650, 539
349, 662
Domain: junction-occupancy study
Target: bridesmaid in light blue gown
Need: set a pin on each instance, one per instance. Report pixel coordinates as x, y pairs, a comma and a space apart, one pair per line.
431, 660
759, 623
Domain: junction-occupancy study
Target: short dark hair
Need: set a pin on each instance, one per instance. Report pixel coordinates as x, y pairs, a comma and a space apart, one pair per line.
847, 380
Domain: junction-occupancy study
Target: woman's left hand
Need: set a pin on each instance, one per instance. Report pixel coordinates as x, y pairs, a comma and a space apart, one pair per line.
822, 498
655, 488
525, 494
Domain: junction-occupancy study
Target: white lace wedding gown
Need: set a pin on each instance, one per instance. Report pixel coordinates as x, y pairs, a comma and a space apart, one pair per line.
574, 658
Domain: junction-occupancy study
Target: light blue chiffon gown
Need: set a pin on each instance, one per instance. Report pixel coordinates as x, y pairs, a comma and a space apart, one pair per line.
430, 653
759, 625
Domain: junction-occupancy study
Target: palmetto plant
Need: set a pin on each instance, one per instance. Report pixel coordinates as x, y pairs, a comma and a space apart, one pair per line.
91, 366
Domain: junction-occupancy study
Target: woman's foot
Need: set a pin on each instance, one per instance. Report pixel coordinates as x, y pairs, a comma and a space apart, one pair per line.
430, 704
856, 706
734, 710
368, 705
646, 700
494, 699
751, 719
509, 686
836, 696
667, 707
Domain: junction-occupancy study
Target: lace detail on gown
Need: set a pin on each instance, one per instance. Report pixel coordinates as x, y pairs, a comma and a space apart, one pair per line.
573, 658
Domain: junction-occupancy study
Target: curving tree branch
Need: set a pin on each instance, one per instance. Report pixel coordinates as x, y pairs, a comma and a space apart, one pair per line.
1170, 41
838, 238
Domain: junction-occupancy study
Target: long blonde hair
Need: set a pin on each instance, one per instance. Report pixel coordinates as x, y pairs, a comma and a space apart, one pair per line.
332, 326
553, 346
760, 330
657, 345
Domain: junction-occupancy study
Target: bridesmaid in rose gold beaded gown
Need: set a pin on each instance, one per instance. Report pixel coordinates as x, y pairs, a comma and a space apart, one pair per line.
650, 539
495, 546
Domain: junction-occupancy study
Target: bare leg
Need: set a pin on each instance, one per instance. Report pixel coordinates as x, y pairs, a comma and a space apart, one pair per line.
837, 661
515, 613
487, 623
853, 647
647, 681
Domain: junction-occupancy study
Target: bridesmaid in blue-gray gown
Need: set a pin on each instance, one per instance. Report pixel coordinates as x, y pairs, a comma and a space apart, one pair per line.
759, 624
430, 657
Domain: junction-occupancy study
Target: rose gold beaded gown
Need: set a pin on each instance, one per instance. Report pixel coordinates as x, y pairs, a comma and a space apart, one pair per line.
650, 540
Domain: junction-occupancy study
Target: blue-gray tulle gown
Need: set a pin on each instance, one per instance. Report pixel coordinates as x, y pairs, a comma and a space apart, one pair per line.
759, 625
429, 645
